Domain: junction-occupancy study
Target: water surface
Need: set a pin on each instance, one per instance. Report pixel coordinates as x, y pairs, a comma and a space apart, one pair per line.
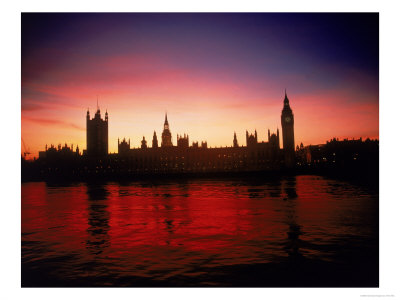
288, 231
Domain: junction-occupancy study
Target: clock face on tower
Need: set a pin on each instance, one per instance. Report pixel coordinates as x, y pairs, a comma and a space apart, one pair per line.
287, 119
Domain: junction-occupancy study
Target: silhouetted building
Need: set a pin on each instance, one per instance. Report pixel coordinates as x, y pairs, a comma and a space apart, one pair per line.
166, 135
199, 157
182, 158
143, 144
287, 122
155, 141
183, 141
235, 142
61, 153
124, 146
273, 140
251, 140
340, 154
301, 154
96, 135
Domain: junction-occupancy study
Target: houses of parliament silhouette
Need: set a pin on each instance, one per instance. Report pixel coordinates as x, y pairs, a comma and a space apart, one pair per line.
165, 157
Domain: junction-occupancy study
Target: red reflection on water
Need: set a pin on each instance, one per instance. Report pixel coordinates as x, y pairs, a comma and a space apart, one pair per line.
161, 230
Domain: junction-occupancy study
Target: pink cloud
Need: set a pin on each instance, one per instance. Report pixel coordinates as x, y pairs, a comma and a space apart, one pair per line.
52, 122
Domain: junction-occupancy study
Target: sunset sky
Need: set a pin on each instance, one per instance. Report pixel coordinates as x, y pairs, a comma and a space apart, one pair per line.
213, 73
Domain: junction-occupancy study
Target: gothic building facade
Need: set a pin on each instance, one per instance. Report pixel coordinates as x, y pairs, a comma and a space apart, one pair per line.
255, 155
184, 157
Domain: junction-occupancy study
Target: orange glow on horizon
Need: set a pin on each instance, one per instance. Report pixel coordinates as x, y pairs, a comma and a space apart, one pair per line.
212, 121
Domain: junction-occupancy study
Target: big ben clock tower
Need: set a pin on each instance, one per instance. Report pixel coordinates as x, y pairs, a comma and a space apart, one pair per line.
287, 122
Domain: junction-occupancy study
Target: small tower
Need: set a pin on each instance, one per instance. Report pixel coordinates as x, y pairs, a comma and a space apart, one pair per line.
144, 143
251, 140
235, 142
123, 147
182, 141
166, 124
155, 141
277, 133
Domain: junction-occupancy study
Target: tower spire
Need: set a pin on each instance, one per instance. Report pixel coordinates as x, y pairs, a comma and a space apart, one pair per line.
235, 142
286, 100
166, 120
166, 134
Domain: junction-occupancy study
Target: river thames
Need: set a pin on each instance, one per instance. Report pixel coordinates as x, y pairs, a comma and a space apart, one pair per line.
288, 231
